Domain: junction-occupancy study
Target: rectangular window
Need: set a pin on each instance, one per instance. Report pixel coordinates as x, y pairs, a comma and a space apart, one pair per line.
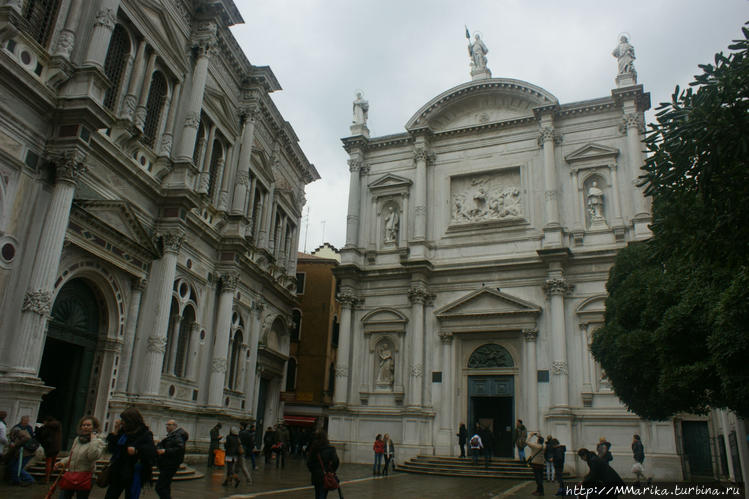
437, 377
300, 283
543, 376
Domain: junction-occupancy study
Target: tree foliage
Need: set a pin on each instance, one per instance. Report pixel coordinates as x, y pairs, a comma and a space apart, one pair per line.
676, 334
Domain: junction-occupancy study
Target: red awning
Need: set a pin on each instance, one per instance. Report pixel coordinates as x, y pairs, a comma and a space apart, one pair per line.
300, 420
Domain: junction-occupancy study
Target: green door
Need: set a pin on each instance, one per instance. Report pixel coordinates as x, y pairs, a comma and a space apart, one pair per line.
697, 448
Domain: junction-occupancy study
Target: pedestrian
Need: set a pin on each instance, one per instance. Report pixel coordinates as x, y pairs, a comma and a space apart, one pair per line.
170, 454
558, 455
536, 460
3, 432
601, 476
549, 459
519, 437
21, 448
603, 449
247, 441
462, 439
269, 440
379, 451
638, 453
215, 436
49, 436
322, 458
233, 447
487, 439
87, 448
476, 446
133, 455
284, 439
389, 453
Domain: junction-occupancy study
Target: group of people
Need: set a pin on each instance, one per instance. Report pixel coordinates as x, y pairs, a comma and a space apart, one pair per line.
384, 448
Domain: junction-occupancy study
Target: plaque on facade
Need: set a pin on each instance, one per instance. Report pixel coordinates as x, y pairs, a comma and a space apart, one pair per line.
494, 196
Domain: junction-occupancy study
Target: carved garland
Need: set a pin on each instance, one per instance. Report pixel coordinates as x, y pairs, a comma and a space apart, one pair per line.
39, 302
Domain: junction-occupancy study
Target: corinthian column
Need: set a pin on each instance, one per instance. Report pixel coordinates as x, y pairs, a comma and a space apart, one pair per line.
205, 39
140, 111
229, 282
343, 359
154, 320
37, 303
132, 321
556, 287
245, 155
420, 193
98, 44
66, 38
546, 140
634, 126
419, 295
254, 340
352, 220
532, 377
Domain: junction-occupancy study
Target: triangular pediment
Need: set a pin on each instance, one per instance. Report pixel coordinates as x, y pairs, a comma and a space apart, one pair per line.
163, 26
219, 103
485, 302
389, 180
592, 152
118, 216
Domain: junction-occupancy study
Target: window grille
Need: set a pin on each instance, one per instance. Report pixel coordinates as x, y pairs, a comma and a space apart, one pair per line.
154, 106
114, 65
41, 16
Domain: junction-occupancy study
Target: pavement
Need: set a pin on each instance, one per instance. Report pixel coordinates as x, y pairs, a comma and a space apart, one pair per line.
293, 482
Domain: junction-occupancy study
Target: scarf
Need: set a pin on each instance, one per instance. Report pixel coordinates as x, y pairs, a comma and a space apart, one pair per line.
84, 439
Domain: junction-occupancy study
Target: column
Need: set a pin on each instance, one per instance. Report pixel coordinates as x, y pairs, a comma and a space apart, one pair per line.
140, 111
556, 287
257, 312
66, 38
634, 127
229, 283
204, 42
98, 44
204, 159
585, 354
551, 202
343, 360
418, 295
167, 138
352, 219
579, 222
154, 321
531, 394
129, 341
191, 371
615, 196
173, 344
447, 401
249, 115
37, 302
136, 78
420, 192
265, 227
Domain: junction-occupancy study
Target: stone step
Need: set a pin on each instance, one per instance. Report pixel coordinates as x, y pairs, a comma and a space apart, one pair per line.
456, 466
37, 470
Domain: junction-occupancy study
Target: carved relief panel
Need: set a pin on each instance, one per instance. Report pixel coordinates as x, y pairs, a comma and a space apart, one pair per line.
489, 197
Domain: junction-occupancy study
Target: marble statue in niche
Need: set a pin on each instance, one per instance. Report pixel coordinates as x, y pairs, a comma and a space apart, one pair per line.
385, 365
594, 202
392, 225
486, 197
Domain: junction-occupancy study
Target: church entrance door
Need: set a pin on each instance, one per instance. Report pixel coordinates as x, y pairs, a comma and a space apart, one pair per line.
491, 403
69, 355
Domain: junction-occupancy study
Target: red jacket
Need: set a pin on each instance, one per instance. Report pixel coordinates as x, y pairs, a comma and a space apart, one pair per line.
379, 447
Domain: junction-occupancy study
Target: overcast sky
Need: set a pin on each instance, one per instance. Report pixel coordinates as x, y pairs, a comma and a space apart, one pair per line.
402, 53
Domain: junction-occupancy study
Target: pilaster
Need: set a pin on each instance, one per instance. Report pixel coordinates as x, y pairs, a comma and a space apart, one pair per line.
343, 360
229, 282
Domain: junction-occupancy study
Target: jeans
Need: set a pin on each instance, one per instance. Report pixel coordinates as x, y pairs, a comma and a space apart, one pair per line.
320, 492
377, 463
475, 455
388, 459
462, 450
242, 465
550, 471
115, 491
164, 482
17, 476
521, 453
538, 475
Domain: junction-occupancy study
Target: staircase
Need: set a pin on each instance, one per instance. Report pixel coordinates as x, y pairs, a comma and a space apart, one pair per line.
36, 469
463, 466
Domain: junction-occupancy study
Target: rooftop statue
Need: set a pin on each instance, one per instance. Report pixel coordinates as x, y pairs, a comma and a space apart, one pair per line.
361, 110
625, 55
477, 51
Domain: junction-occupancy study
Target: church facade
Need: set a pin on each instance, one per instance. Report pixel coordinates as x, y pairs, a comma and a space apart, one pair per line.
150, 198
473, 276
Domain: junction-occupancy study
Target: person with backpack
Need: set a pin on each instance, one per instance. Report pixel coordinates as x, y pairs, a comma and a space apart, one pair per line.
322, 459
476, 445
171, 453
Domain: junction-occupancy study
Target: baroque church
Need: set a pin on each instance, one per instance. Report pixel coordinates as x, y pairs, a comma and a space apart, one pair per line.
150, 198
478, 247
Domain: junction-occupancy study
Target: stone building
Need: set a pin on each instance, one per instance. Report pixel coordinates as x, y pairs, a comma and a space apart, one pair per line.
150, 197
477, 251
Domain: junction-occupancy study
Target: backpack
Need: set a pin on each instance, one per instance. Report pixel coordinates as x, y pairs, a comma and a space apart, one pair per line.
475, 441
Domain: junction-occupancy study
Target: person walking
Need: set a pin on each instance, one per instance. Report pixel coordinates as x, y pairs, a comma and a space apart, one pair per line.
246, 440
462, 439
476, 445
22, 446
389, 453
558, 455
284, 439
269, 440
233, 447
638, 453
487, 439
133, 456
322, 458
170, 454
536, 460
603, 449
519, 437
379, 451
49, 436
87, 448
215, 436
549, 459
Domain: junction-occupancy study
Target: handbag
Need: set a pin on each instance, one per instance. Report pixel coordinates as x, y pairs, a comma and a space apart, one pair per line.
75, 480
329, 479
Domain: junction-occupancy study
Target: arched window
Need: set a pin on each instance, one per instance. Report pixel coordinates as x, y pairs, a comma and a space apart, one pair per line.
172, 334
291, 375
296, 324
41, 16
217, 159
199, 142
489, 356
114, 65
183, 343
154, 105
235, 353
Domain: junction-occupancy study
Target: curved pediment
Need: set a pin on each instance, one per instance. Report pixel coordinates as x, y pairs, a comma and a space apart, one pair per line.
481, 102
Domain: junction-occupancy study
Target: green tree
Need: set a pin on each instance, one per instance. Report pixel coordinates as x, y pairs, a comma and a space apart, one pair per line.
676, 333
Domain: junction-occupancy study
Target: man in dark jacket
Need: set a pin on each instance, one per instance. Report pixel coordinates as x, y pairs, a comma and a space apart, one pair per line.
488, 440
558, 452
215, 435
601, 476
247, 439
269, 439
171, 453
462, 439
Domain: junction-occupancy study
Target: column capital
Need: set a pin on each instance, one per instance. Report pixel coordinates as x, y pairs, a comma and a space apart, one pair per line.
421, 153
530, 334
446, 337
347, 298
204, 37
257, 306
420, 294
171, 240
139, 284
632, 120
106, 18
243, 178
39, 302
557, 286
70, 166
229, 282
548, 134
249, 114
354, 165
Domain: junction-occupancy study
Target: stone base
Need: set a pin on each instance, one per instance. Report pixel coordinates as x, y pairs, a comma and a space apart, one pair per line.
359, 130
21, 396
626, 80
480, 74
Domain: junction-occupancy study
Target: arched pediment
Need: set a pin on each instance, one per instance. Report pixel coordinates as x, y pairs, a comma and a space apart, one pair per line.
480, 102
592, 309
384, 320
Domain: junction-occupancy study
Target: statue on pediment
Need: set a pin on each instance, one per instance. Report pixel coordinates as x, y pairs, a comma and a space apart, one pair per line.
361, 110
625, 55
477, 50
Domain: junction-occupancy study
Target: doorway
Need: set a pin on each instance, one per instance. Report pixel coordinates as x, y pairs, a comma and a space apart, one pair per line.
697, 448
68, 356
491, 403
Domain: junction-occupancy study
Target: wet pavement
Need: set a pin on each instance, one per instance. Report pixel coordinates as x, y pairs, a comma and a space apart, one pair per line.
293, 483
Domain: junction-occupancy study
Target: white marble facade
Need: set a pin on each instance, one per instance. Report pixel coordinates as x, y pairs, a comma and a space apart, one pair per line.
150, 198
511, 208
